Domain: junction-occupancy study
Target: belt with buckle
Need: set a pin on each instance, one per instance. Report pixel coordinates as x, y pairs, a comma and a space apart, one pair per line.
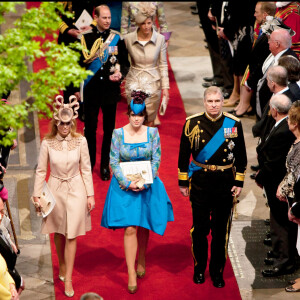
212, 167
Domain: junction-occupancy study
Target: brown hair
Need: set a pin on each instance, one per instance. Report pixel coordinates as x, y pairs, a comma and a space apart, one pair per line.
53, 129
294, 113
292, 66
98, 9
142, 113
268, 7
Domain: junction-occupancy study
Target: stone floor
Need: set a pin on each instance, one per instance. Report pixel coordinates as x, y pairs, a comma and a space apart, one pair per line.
190, 62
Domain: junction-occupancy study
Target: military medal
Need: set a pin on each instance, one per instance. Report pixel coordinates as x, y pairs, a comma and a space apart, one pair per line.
230, 156
230, 132
113, 50
231, 145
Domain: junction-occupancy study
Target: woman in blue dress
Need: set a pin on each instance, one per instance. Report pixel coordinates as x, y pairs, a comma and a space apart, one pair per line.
137, 209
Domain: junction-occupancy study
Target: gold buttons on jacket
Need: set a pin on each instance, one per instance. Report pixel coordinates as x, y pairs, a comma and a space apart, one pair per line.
205, 170
226, 140
203, 141
225, 150
224, 160
206, 160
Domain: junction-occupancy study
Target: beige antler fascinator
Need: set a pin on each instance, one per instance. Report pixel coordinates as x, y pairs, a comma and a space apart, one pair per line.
145, 10
65, 112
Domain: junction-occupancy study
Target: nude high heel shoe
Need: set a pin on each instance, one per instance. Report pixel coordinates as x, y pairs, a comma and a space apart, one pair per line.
69, 294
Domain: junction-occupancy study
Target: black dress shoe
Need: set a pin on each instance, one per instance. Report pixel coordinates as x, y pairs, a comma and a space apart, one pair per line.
291, 282
277, 272
211, 83
218, 281
291, 289
105, 173
268, 242
198, 278
270, 254
253, 175
269, 261
267, 222
209, 79
254, 168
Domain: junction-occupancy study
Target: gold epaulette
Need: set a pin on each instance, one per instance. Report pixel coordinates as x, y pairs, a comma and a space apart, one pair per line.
240, 176
94, 23
64, 3
195, 115
226, 114
62, 27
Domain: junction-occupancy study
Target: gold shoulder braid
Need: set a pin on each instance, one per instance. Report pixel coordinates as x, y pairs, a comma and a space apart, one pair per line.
193, 135
97, 49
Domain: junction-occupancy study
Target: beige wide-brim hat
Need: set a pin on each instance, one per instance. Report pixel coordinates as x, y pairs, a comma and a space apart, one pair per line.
145, 10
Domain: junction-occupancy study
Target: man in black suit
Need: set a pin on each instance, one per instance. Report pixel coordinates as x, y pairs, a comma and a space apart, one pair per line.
106, 56
280, 42
277, 83
271, 154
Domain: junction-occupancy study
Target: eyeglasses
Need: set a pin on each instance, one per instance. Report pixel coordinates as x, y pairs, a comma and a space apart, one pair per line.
64, 124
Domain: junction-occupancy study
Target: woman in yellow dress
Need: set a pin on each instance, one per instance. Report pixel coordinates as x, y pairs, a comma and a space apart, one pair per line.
7, 285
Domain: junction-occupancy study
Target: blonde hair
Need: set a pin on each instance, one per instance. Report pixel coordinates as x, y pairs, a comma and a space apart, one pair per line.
294, 113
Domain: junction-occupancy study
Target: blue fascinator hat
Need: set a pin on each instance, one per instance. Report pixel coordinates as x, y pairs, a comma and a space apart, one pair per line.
137, 103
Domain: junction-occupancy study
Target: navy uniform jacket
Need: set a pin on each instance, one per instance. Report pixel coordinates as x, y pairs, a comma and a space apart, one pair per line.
231, 151
75, 7
100, 85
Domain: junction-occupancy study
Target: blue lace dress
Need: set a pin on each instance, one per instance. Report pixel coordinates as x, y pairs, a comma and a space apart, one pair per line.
150, 208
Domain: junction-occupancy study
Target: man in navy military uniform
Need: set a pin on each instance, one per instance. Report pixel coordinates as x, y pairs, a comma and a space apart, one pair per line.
105, 54
215, 176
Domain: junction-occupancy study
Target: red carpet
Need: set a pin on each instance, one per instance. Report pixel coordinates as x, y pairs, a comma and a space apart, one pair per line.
100, 263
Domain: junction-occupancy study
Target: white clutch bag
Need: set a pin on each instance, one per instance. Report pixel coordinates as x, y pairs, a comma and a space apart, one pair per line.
163, 106
47, 201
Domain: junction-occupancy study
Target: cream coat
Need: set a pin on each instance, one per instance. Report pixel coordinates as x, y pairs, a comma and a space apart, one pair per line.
70, 182
148, 63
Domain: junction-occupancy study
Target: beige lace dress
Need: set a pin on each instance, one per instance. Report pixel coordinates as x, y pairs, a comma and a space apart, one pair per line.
70, 182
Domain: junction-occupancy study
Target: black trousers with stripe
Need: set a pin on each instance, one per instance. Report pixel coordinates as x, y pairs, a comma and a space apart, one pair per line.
211, 201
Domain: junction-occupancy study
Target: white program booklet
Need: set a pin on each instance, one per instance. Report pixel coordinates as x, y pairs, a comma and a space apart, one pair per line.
142, 167
85, 19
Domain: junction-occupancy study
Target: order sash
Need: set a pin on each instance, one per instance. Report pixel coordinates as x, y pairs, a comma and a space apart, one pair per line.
211, 147
96, 64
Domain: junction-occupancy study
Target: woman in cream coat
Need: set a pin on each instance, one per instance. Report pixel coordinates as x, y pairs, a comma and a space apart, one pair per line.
149, 68
71, 184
